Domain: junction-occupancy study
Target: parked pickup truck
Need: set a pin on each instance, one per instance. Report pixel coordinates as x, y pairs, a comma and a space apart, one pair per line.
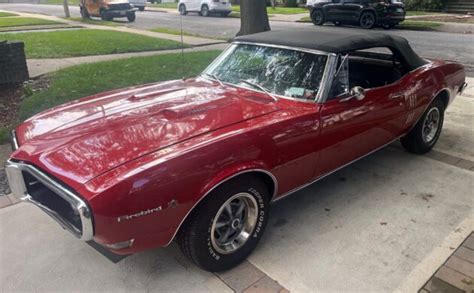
107, 9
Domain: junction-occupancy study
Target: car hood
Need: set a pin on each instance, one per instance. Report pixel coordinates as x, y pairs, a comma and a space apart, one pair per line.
88, 137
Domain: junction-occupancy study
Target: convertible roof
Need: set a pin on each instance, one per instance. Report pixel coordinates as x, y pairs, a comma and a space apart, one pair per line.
338, 42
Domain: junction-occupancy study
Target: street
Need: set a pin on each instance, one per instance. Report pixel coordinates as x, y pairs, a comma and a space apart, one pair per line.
436, 45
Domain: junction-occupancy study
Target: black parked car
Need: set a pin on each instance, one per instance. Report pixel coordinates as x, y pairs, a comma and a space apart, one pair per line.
366, 13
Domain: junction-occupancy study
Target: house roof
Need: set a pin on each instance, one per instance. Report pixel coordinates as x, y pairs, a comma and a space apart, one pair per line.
338, 42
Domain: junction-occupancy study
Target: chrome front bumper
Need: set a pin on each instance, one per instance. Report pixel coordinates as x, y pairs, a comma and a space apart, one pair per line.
15, 174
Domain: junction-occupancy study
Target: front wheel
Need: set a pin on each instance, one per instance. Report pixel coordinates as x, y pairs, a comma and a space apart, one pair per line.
182, 9
204, 11
105, 16
317, 17
131, 16
226, 227
367, 20
422, 138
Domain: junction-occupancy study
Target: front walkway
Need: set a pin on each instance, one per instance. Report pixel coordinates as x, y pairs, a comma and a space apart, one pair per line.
195, 41
37, 67
456, 275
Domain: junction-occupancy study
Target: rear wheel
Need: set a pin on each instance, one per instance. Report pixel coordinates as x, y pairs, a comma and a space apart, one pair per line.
225, 14
317, 17
226, 227
182, 9
422, 138
367, 20
141, 8
204, 10
131, 16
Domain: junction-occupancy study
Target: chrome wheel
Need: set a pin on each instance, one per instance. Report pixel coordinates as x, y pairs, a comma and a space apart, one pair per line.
234, 223
431, 125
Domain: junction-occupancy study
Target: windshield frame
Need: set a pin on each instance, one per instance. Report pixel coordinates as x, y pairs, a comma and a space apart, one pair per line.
320, 96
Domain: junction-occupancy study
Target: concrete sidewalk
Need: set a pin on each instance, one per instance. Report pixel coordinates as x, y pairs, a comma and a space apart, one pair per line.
37, 67
195, 41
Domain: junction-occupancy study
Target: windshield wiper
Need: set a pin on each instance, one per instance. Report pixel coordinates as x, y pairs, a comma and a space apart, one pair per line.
261, 88
215, 77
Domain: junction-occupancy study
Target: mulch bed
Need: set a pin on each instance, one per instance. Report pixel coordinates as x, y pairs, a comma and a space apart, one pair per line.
11, 97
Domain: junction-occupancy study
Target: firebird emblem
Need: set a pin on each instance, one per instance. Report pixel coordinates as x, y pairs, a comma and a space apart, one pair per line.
139, 214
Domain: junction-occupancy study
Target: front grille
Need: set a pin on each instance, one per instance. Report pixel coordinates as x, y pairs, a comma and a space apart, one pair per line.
119, 6
31, 185
46, 197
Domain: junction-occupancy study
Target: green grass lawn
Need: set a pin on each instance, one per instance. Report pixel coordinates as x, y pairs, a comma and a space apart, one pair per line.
419, 25
164, 5
5, 14
420, 13
85, 42
84, 80
23, 21
279, 10
97, 21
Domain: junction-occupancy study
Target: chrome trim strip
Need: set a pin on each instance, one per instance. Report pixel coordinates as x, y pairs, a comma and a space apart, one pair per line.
17, 184
14, 140
232, 47
328, 79
331, 172
275, 192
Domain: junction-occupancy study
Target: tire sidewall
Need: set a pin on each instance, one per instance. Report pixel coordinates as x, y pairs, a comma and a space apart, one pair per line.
205, 9
428, 145
209, 257
182, 9
313, 18
362, 16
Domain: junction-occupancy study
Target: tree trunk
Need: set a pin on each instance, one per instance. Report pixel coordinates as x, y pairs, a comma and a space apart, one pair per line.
273, 3
66, 8
253, 17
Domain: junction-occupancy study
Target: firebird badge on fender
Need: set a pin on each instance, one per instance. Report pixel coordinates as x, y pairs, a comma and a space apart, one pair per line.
140, 214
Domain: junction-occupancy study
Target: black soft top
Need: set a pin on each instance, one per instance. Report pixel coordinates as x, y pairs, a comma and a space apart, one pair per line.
338, 42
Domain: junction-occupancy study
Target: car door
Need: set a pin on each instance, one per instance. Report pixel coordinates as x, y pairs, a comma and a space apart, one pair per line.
350, 10
352, 127
332, 10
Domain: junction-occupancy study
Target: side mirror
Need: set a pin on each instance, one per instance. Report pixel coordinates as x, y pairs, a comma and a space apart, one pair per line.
357, 93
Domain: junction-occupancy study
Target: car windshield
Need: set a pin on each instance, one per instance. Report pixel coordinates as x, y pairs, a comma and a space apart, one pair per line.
283, 72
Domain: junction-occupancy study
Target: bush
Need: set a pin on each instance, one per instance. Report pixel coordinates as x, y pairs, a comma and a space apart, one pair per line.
425, 4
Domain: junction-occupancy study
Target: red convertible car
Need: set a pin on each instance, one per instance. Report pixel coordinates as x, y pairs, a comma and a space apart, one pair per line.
200, 160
